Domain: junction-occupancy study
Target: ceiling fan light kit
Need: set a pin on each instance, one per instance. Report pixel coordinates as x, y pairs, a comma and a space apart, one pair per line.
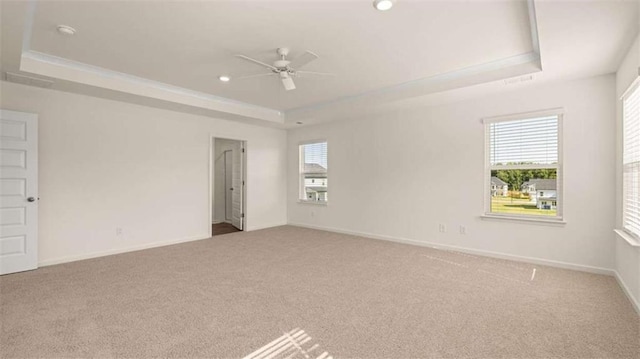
383, 5
285, 69
287, 81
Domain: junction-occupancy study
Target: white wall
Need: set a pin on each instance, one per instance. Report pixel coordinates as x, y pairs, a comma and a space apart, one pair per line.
398, 176
627, 257
107, 164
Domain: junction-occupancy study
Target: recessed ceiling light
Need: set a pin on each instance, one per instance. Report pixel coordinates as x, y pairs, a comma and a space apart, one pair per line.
224, 78
383, 5
66, 30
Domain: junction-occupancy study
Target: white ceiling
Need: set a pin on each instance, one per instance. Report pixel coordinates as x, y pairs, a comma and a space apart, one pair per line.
188, 44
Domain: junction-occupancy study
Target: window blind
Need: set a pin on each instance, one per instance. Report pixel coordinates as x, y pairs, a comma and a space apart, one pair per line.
315, 154
631, 163
527, 141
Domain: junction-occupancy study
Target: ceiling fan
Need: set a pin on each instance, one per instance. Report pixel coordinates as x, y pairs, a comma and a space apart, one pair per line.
284, 68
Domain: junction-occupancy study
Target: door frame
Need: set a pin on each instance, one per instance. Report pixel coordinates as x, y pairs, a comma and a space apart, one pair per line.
227, 205
244, 145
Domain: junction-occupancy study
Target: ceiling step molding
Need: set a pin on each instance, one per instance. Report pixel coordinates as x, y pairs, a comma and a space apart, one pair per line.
515, 66
56, 67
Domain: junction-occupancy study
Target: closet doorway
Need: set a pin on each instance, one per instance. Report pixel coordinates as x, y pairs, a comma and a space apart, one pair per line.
228, 186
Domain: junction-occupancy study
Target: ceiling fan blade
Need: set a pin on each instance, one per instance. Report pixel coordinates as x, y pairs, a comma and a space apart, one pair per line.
303, 59
288, 84
252, 76
315, 73
257, 62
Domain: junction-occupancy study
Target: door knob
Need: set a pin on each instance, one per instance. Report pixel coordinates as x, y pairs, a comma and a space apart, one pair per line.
231, 188
31, 199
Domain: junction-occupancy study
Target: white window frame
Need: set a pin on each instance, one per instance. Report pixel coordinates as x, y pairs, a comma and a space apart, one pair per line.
302, 195
626, 233
559, 217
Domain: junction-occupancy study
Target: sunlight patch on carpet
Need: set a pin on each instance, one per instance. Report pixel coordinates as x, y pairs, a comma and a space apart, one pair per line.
295, 344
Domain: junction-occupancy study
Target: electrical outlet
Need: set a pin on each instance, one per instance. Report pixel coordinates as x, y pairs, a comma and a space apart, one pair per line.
442, 228
313, 213
463, 230
119, 231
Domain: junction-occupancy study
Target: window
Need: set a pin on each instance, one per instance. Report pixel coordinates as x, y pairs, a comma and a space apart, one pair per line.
313, 172
523, 156
631, 162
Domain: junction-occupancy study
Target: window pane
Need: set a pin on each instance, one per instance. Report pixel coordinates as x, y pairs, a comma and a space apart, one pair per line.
315, 156
530, 141
315, 187
313, 159
631, 198
631, 128
631, 163
528, 192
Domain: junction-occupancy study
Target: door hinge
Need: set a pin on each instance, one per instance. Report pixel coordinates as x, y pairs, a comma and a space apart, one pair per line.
243, 150
243, 183
242, 215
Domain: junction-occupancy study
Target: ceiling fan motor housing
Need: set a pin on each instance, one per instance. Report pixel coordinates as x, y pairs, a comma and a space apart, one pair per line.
281, 64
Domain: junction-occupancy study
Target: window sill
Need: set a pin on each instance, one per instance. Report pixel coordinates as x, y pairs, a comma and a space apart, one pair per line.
545, 221
633, 242
313, 203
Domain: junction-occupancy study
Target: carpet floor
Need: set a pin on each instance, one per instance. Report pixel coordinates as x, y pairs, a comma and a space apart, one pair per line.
349, 297
223, 228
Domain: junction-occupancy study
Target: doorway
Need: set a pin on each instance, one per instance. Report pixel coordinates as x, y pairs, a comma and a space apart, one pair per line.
228, 186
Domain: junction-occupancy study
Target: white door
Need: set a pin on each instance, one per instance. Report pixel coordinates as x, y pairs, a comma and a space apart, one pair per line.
228, 185
18, 191
237, 217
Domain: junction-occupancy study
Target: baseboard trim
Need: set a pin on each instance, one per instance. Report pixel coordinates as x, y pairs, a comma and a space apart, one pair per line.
80, 257
110, 252
539, 261
634, 301
249, 229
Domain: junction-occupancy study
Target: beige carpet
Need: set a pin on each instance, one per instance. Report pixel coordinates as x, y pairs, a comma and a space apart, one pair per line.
355, 297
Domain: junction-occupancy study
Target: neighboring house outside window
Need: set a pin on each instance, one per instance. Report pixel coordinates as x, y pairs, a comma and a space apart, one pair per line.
546, 199
499, 187
313, 172
315, 182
